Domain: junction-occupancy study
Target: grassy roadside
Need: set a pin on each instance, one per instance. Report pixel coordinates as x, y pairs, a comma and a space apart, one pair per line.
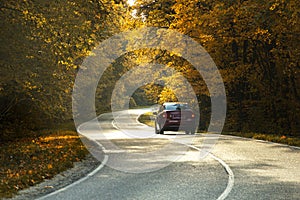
283, 139
146, 118
28, 161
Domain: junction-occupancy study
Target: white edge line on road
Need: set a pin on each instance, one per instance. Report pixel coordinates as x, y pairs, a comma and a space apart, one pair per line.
113, 123
262, 141
92, 173
225, 193
230, 182
228, 170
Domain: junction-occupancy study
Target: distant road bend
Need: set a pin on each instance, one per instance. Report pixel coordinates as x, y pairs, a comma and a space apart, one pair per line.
237, 168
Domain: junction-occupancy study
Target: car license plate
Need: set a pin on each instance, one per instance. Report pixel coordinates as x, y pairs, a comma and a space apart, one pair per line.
176, 117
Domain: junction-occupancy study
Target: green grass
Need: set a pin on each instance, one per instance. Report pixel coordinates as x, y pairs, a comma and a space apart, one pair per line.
29, 161
278, 138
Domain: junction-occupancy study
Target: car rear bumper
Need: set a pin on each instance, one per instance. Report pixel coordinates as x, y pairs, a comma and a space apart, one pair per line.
173, 125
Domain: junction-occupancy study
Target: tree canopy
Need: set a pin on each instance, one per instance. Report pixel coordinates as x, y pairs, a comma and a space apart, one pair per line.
254, 43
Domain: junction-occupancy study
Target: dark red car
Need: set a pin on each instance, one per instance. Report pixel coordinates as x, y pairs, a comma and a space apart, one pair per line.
175, 116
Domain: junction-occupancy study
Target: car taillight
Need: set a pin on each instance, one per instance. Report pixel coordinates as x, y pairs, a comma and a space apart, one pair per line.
193, 115
164, 116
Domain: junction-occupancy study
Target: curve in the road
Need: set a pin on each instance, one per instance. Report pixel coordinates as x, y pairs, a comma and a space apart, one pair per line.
228, 170
92, 173
230, 182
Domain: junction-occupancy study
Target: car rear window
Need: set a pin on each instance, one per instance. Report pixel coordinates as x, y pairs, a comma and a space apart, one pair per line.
176, 106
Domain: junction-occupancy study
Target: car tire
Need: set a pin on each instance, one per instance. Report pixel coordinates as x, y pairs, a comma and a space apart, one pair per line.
156, 129
187, 132
161, 130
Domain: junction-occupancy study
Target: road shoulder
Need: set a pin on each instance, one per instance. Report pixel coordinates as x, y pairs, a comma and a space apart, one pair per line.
80, 169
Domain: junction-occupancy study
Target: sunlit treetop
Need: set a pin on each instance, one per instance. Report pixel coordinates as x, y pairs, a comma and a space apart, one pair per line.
130, 2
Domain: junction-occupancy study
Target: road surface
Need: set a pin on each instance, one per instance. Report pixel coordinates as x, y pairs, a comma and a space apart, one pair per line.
143, 165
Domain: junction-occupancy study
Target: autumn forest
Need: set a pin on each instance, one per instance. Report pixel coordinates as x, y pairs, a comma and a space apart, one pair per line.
254, 43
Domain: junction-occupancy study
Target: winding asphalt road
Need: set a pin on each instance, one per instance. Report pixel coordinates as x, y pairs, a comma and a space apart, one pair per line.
138, 164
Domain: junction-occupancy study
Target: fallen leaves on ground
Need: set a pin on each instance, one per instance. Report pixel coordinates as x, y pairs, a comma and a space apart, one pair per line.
29, 161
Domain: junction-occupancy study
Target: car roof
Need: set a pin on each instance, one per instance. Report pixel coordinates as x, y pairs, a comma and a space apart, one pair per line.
168, 103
